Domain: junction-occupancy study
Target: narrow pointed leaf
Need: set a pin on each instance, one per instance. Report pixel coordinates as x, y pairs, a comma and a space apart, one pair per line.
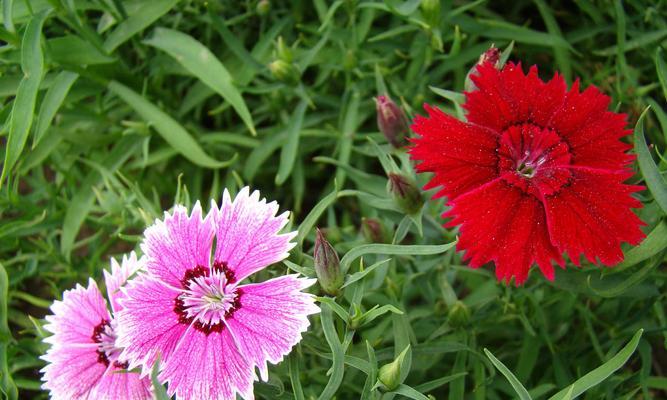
202, 63
32, 64
654, 181
166, 126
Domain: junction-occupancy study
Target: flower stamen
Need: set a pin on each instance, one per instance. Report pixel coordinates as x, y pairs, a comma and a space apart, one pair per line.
209, 296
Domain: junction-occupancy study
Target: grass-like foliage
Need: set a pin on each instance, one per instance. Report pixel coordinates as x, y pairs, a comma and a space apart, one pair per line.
113, 111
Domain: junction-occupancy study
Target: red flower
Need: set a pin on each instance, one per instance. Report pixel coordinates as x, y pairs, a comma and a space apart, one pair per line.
536, 171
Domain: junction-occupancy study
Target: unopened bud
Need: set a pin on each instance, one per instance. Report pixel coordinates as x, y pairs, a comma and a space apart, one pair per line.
459, 315
263, 7
389, 375
405, 193
284, 72
327, 265
283, 52
492, 56
392, 121
431, 12
373, 230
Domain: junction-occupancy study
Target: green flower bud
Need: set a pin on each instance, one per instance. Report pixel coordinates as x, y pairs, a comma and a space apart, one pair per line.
327, 265
284, 72
405, 193
431, 12
283, 52
459, 315
263, 7
389, 375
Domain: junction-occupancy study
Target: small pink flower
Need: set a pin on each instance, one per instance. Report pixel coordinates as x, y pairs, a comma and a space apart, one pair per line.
83, 360
191, 310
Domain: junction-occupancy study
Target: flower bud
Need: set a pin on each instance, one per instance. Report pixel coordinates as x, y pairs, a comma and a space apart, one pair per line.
392, 121
327, 265
459, 315
373, 230
492, 55
263, 7
283, 52
284, 72
405, 193
431, 12
389, 375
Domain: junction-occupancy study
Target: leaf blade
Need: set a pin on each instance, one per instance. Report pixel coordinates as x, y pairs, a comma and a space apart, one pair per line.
202, 63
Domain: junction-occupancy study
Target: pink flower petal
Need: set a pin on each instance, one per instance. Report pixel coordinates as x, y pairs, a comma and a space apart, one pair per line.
73, 367
178, 243
119, 275
271, 319
147, 323
72, 372
118, 384
75, 317
247, 238
207, 367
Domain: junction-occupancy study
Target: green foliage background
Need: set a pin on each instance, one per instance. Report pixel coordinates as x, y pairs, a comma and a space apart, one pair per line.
115, 110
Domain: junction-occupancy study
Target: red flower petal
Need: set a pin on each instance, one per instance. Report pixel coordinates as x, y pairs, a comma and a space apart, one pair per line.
536, 171
592, 215
501, 223
465, 157
508, 97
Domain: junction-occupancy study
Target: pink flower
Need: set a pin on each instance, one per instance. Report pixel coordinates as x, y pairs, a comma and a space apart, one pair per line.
190, 309
83, 360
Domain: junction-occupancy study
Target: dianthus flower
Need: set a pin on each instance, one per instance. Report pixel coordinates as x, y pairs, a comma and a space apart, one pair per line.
83, 360
191, 310
536, 171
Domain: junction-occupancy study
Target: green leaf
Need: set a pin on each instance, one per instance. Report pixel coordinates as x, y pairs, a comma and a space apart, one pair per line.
602, 372
293, 368
409, 392
436, 383
200, 62
361, 274
159, 390
7, 385
654, 181
516, 385
52, 101
655, 242
72, 50
338, 367
32, 64
291, 146
616, 285
387, 249
561, 54
661, 68
172, 132
81, 203
147, 12
314, 214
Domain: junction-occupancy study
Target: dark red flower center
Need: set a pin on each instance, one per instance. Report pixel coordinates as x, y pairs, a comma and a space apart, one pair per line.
531, 158
208, 298
105, 336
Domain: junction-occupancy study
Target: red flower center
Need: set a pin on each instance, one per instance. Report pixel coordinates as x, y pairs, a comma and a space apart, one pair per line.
531, 158
209, 297
105, 337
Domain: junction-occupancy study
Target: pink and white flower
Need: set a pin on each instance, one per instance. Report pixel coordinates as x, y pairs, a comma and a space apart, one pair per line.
84, 359
191, 310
